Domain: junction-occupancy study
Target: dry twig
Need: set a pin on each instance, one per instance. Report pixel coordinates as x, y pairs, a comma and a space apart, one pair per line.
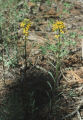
75, 111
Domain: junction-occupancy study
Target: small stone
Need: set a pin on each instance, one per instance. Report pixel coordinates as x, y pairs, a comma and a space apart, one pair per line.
35, 52
69, 26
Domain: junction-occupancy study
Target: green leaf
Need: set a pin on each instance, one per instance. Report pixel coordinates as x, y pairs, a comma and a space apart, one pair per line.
52, 48
67, 5
0, 58
51, 76
81, 28
80, 37
43, 50
52, 64
73, 34
49, 84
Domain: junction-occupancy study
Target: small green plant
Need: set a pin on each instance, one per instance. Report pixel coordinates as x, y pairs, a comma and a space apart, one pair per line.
80, 36
73, 34
67, 5
81, 28
49, 2
65, 11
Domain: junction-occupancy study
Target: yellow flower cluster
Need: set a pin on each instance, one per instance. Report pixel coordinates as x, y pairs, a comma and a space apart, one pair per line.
26, 24
58, 26
57, 36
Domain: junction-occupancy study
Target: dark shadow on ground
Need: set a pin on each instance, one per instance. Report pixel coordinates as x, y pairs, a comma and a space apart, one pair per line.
28, 98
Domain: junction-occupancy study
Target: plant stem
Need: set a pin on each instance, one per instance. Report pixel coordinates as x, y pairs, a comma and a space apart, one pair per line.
25, 53
58, 63
25, 57
3, 59
3, 66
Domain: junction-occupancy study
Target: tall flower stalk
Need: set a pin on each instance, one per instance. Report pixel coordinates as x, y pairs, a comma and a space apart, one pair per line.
58, 28
3, 64
26, 24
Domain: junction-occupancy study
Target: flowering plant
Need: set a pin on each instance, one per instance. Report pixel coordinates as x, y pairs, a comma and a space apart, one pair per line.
58, 48
59, 28
25, 24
